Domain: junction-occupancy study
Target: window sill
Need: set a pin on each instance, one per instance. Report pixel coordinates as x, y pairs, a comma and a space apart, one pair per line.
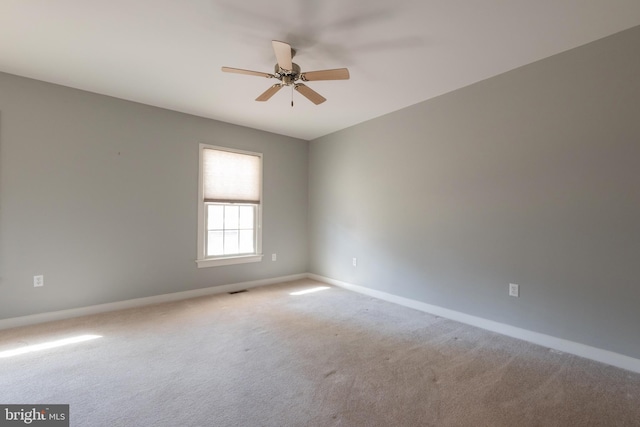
214, 262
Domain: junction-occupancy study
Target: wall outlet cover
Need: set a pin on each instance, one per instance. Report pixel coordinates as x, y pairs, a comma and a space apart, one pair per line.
38, 281
514, 290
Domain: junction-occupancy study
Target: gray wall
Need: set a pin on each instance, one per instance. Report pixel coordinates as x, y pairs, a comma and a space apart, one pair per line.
531, 177
100, 196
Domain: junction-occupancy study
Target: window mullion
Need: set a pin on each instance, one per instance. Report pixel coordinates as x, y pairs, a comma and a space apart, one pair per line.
238, 232
224, 230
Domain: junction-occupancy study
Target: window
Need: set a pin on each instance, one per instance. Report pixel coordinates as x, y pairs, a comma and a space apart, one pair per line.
229, 206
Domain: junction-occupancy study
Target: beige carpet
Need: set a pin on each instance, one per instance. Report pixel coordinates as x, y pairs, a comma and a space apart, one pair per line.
331, 358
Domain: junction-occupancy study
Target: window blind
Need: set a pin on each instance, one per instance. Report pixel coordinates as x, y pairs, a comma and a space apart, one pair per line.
231, 177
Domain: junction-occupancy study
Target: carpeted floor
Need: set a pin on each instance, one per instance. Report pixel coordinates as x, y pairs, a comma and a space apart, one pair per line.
331, 358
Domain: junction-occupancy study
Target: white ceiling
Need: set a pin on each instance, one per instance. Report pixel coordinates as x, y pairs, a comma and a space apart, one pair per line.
168, 53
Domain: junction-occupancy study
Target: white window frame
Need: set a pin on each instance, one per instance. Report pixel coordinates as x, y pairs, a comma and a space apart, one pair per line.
213, 261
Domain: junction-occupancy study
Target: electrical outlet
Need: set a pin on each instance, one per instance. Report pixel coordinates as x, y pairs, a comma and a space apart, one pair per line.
355, 262
274, 257
38, 281
514, 290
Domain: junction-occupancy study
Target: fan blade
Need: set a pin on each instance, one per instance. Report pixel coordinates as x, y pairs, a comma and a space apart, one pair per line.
269, 92
310, 94
247, 72
283, 54
337, 74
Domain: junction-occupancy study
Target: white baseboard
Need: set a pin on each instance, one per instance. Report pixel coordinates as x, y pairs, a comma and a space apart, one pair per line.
139, 302
582, 350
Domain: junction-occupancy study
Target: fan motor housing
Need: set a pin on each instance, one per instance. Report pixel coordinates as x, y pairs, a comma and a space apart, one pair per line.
287, 77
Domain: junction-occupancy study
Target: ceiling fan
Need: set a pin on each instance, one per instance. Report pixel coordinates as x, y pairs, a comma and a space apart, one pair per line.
289, 74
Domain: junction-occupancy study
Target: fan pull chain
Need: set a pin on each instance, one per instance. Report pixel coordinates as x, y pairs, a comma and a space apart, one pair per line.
291, 96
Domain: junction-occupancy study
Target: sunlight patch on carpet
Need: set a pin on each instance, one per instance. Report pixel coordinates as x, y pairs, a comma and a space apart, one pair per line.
309, 291
47, 345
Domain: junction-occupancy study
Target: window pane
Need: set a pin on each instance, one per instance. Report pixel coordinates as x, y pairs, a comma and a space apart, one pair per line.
246, 242
246, 217
214, 243
214, 217
231, 214
230, 242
